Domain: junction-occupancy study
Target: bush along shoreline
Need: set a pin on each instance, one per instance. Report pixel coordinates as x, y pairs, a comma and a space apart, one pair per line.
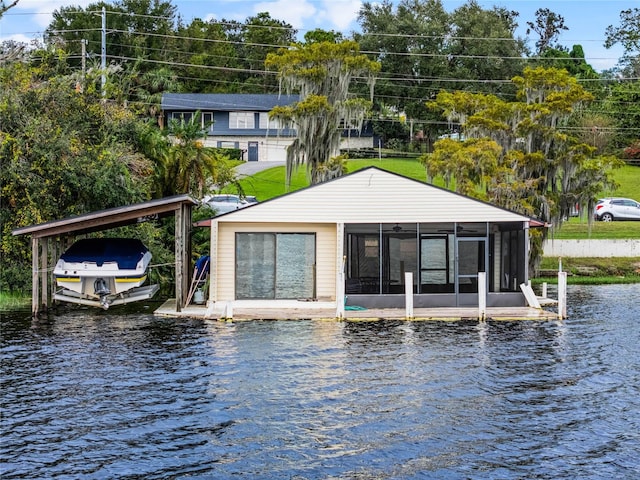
590, 271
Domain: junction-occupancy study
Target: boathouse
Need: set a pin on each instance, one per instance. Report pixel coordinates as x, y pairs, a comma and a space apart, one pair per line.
49, 239
353, 240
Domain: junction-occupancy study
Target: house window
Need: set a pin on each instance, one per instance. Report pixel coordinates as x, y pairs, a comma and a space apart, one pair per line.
275, 265
206, 118
182, 117
347, 124
242, 120
266, 123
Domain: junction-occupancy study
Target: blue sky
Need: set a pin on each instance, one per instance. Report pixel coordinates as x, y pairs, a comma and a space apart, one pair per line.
587, 19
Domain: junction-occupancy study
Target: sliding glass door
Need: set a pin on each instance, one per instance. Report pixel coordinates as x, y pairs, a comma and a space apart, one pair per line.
275, 265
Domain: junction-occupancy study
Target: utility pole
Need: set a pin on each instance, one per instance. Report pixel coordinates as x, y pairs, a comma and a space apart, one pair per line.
103, 62
80, 83
84, 58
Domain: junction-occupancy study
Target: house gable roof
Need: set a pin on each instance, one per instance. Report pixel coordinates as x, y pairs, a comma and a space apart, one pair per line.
373, 195
227, 102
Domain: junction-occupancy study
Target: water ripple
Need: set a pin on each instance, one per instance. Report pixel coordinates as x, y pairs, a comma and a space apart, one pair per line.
101, 395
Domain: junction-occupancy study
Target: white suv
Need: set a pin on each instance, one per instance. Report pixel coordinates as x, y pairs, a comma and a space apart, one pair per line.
609, 209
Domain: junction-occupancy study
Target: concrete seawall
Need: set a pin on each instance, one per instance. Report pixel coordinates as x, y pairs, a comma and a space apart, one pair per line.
592, 248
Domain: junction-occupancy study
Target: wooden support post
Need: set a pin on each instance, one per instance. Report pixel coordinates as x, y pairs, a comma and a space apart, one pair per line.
187, 209
408, 294
341, 260
44, 273
482, 295
179, 258
228, 311
35, 277
562, 295
213, 263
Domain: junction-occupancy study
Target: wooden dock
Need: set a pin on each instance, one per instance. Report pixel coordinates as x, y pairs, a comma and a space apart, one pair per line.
299, 310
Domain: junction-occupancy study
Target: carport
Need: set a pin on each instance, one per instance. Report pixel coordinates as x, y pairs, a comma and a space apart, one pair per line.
46, 239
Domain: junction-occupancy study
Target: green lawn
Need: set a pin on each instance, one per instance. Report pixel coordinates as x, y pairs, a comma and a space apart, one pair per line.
576, 229
271, 183
628, 178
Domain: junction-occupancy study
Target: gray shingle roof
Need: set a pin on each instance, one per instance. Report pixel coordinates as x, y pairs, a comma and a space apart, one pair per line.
225, 101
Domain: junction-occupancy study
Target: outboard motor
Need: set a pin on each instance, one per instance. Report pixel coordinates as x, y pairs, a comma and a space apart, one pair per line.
101, 288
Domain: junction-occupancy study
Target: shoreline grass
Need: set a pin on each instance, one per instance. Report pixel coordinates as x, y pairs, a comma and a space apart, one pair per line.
590, 271
14, 301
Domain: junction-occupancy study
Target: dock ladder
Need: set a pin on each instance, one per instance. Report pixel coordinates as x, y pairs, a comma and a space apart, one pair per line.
200, 276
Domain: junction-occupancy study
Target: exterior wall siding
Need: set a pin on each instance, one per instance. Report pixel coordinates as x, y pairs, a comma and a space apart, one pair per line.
269, 149
325, 254
592, 248
357, 142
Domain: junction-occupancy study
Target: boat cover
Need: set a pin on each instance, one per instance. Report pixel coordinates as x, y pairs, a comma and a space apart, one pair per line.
127, 252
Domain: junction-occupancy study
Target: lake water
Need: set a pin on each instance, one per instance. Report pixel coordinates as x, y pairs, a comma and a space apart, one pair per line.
94, 394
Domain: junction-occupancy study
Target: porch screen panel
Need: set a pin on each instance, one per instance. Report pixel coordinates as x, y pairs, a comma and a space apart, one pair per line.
513, 261
471, 257
400, 257
255, 265
295, 264
437, 272
363, 270
471, 260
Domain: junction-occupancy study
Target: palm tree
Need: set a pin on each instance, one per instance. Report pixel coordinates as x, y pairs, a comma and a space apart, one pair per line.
191, 167
156, 146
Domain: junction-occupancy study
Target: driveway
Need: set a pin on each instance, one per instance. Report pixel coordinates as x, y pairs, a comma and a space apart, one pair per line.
247, 169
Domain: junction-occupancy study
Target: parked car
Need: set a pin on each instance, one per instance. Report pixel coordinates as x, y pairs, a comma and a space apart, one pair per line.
609, 209
223, 203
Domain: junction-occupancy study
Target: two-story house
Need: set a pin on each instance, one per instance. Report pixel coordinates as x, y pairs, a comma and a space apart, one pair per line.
239, 120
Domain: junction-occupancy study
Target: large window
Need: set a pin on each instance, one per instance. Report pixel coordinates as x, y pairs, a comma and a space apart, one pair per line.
268, 123
242, 120
206, 118
275, 265
182, 117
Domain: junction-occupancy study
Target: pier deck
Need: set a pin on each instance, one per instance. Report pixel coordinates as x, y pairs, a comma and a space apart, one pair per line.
298, 310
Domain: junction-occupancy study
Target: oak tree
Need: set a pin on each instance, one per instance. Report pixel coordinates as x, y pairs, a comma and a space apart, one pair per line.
320, 72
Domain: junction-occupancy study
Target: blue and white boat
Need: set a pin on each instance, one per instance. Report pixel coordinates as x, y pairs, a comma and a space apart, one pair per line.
104, 271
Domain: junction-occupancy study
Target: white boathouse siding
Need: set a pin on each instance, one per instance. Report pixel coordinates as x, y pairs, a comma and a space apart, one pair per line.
325, 254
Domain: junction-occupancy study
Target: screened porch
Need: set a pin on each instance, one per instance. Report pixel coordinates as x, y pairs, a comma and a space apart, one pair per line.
444, 258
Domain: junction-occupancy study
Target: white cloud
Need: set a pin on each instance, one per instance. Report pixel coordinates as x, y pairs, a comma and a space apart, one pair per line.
293, 12
341, 14
44, 9
18, 37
